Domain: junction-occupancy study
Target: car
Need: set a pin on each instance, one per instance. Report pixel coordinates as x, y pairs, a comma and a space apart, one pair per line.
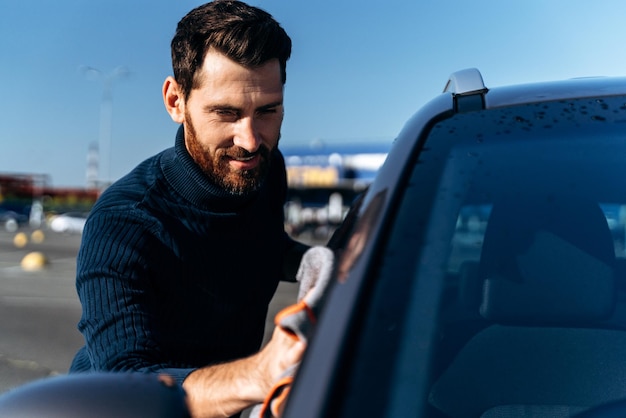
69, 222
483, 273
11, 220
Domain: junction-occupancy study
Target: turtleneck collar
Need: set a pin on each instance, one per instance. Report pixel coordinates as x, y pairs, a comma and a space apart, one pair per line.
186, 177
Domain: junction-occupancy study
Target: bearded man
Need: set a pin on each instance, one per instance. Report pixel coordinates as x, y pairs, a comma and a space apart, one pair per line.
181, 257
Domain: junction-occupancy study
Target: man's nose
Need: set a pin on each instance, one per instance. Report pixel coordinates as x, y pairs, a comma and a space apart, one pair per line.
246, 135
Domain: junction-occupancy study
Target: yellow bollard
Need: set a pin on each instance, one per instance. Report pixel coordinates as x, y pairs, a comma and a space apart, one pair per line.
37, 236
34, 261
20, 240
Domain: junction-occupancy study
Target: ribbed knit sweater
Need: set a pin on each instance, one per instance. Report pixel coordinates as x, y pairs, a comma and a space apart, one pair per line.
174, 273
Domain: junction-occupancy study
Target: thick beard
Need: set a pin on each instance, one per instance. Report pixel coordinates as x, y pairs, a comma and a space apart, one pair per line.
216, 166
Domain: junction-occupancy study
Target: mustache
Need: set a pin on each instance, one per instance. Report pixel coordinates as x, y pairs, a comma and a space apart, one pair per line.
238, 152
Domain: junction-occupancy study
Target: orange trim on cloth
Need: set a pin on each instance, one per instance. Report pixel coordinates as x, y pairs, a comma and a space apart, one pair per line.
293, 310
276, 398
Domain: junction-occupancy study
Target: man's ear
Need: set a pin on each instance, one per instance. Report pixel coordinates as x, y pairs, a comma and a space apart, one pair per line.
173, 100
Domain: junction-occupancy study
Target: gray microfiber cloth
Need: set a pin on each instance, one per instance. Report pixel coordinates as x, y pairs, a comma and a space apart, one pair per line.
314, 274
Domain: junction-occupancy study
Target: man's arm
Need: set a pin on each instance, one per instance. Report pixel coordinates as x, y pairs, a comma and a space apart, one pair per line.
225, 389
120, 320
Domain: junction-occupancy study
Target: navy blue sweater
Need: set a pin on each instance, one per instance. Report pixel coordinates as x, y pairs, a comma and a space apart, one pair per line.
174, 273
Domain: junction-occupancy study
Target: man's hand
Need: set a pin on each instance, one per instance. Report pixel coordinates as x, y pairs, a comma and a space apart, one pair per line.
223, 390
281, 352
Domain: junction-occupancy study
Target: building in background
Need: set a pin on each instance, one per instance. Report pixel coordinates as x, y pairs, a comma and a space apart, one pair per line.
323, 181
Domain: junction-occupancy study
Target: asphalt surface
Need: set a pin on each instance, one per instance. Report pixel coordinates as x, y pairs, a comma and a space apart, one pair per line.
39, 309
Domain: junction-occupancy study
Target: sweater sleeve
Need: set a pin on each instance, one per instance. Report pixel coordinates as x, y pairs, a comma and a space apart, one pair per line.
119, 256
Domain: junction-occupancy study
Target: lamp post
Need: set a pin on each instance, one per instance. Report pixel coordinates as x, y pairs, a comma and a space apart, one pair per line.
106, 114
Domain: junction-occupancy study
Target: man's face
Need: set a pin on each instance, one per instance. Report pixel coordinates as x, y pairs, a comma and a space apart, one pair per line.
232, 121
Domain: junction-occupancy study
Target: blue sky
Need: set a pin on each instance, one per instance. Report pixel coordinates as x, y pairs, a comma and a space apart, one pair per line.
359, 68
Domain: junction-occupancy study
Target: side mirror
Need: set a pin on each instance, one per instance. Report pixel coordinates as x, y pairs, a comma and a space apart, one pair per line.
97, 395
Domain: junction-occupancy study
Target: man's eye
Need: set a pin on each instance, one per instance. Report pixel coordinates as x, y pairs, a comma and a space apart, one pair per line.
228, 115
268, 111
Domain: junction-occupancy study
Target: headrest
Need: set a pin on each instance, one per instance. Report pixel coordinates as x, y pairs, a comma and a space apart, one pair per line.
547, 260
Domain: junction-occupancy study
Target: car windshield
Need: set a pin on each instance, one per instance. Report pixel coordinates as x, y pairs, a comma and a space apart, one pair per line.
525, 230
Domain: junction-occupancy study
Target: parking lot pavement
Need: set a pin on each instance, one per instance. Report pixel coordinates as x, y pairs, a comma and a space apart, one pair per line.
39, 309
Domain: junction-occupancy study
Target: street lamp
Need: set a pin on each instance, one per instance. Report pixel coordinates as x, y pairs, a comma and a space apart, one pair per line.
106, 112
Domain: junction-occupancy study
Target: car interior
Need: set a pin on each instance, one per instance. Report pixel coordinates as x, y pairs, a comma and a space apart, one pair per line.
544, 297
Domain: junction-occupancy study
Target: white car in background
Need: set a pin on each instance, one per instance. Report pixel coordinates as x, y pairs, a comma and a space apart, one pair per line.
69, 223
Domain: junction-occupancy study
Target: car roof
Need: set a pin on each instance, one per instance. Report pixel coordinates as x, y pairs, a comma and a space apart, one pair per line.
555, 90
469, 82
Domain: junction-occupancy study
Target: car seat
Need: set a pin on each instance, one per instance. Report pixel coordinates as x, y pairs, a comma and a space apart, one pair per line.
547, 272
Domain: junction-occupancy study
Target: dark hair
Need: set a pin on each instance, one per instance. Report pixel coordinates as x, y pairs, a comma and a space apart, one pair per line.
246, 34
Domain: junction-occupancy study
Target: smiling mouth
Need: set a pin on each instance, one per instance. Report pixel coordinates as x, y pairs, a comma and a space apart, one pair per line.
244, 163
248, 158
241, 159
